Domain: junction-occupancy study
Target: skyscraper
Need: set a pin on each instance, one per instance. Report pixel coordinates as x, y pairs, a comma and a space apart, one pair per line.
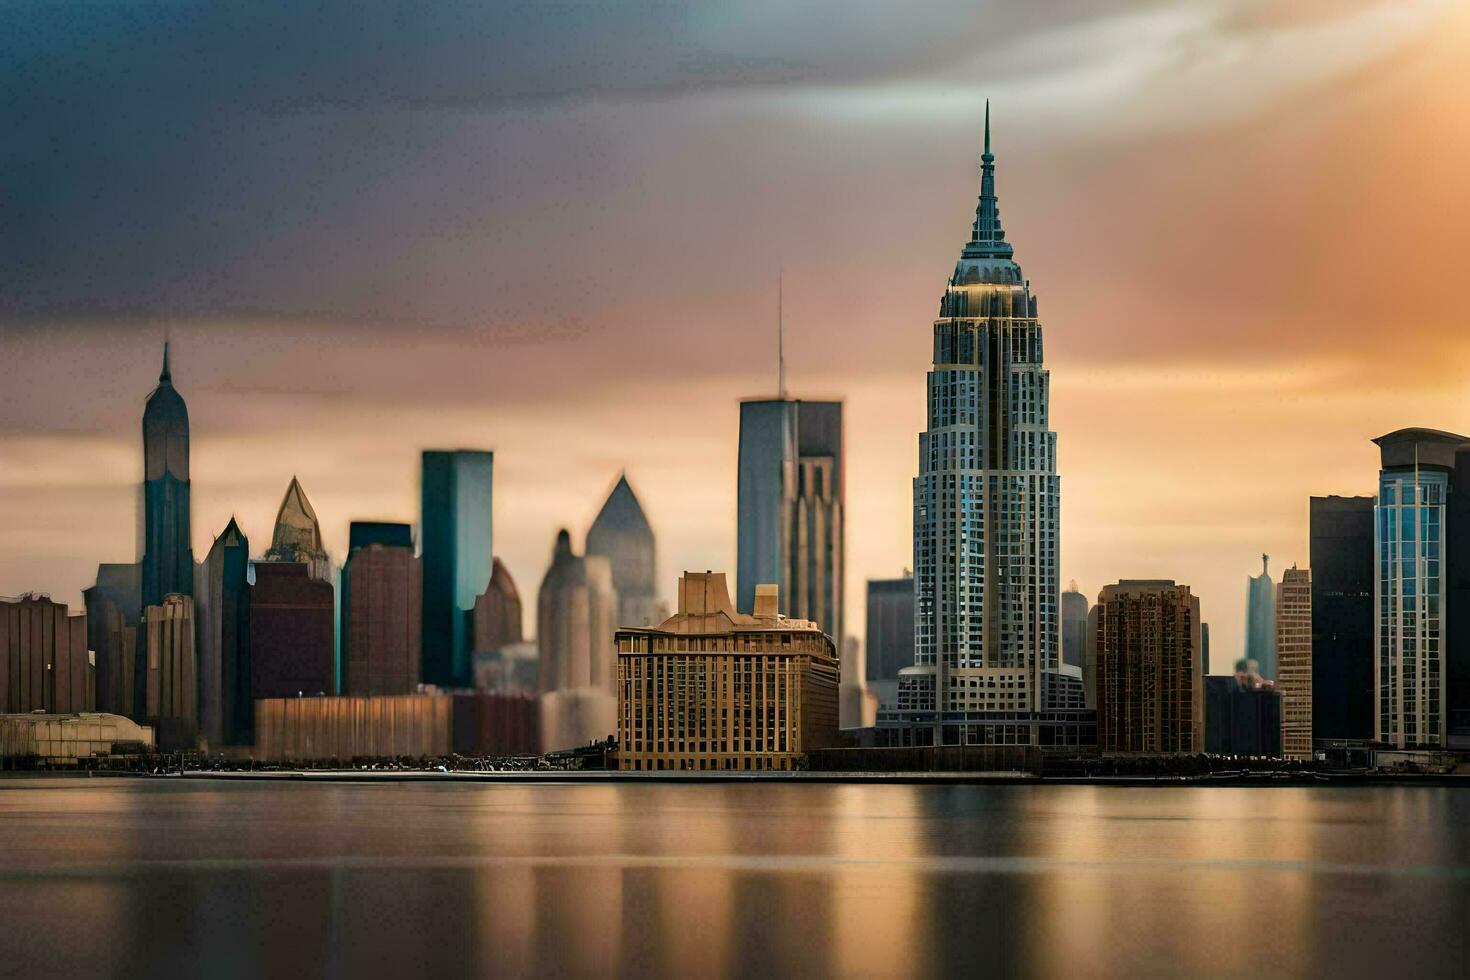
1149, 669
1341, 556
382, 624
1260, 621
171, 676
292, 634
986, 498
113, 615
621, 534
890, 633
1294, 661
1074, 626
791, 504
457, 547
1410, 593
43, 658
575, 612
298, 535
222, 608
168, 558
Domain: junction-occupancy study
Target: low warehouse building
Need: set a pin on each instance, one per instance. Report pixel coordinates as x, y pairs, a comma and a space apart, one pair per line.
53, 739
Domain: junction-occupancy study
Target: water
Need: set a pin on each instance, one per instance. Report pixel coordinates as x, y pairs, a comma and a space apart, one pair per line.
188, 878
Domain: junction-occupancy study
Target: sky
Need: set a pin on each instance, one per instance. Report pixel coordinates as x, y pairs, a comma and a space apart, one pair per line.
554, 230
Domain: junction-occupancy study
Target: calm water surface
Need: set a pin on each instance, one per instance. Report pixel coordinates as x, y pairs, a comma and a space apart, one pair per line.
193, 878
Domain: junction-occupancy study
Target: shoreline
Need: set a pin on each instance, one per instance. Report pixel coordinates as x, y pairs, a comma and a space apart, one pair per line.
1257, 779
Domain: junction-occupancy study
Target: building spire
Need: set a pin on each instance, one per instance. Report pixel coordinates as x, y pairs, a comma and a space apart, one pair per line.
987, 237
165, 375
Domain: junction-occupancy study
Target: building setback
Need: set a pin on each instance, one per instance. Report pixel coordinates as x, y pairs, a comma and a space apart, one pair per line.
382, 588
456, 541
1341, 556
292, 643
43, 658
790, 504
1294, 661
1148, 668
711, 688
621, 534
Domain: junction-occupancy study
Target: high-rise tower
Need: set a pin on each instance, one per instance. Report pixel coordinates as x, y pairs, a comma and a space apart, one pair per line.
298, 534
455, 537
621, 534
168, 558
986, 498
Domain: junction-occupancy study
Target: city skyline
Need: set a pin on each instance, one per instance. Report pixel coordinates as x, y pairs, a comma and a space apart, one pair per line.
1247, 376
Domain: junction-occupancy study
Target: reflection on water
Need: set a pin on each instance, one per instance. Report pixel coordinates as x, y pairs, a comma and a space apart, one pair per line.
168, 877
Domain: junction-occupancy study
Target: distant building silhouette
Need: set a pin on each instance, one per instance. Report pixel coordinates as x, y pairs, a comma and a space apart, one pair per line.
1294, 661
292, 648
890, 633
43, 658
1148, 668
497, 612
1260, 621
1242, 715
575, 612
222, 609
621, 534
298, 534
114, 611
1074, 627
456, 543
712, 688
1342, 562
168, 558
382, 624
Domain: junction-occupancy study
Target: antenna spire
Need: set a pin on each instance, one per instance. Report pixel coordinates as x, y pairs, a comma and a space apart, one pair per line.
780, 333
165, 375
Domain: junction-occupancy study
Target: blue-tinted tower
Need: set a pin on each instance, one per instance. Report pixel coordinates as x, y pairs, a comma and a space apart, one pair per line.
458, 558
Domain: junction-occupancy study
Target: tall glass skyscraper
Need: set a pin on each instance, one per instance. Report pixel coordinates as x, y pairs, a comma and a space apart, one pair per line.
168, 556
458, 558
986, 505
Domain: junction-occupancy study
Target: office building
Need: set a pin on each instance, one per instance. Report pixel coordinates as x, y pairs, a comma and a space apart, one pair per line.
497, 612
1243, 715
791, 507
1148, 668
298, 535
113, 614
382, 624
168, 557
222, 608
1294, 661
986, 508
1260, 620
1343, 649
712, 688
171, 680
1410, 591
292, 635
621, 534
890, 634
457, 549
1074, 626
576, 611
43, 657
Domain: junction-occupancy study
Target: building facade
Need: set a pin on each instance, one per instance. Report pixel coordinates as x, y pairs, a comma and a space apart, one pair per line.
498, 612
790, 502
1410, 592
113, 613
222, 608
1148, 668
1243, 716
621, 534
171, 681
1294, 661
43, 658
890, 633
1343, 648
298, 534
986, 505
292, 632
382, 624
711, 688
457, 546
1260, 621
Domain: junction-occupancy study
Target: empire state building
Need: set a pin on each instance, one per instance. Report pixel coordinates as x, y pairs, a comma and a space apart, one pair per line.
986, 503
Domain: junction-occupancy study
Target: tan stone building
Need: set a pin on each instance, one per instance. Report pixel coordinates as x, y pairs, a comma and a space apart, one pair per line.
1294, 661
1146, 664
173, 669
711, 688
43, 657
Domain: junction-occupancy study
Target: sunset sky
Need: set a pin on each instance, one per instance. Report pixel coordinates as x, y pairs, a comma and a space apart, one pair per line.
554, 231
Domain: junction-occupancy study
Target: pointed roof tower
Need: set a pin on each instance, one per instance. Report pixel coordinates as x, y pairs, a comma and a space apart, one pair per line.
987, 256
298, 534
621, 512
165, 429
623, 535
